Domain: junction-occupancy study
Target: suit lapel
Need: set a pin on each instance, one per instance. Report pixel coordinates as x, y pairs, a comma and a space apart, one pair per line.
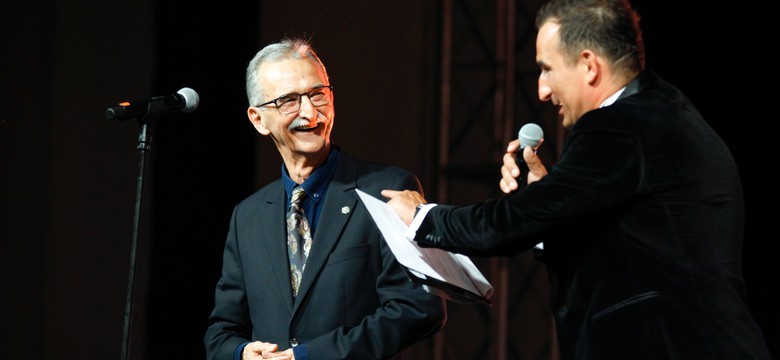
336, 212
274, 228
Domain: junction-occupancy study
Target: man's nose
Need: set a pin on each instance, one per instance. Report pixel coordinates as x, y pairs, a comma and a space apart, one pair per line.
307, 109
544, 90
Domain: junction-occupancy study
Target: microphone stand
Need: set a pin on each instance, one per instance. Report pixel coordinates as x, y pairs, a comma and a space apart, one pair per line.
144, 142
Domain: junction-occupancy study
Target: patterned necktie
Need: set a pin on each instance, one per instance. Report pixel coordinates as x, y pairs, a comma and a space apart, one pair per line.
298, 238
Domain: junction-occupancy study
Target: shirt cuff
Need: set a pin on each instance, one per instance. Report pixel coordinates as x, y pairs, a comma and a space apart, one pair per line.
411, 232
239, 351
301, 352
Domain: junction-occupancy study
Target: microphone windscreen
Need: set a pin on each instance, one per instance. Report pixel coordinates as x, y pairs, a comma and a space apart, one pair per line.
530, 135
191, 99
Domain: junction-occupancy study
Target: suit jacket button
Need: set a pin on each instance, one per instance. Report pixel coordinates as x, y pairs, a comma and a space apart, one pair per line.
294, 343
562, 312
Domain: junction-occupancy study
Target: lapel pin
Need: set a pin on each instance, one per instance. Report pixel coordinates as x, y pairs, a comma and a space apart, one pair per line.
345, 210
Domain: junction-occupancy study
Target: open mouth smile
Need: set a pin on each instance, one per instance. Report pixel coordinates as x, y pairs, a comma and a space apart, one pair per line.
303, 125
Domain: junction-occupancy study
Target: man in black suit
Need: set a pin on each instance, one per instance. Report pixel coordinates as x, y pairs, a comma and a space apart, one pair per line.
641, 218
352, 299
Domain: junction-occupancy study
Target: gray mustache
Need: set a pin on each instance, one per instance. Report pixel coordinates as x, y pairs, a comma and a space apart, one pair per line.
298, 122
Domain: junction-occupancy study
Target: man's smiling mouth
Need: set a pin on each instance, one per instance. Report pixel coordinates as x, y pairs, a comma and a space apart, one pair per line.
303, 125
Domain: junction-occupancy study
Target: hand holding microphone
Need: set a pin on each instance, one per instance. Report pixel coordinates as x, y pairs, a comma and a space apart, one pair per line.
530, 136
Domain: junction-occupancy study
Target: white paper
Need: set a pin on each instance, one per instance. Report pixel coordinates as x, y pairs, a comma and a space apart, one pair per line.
452, 268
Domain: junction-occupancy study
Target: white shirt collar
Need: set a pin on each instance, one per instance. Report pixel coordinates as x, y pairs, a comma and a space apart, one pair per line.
610, 100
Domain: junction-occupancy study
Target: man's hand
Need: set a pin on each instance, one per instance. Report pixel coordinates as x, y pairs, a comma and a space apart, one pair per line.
404, 203
264, 350
510, 171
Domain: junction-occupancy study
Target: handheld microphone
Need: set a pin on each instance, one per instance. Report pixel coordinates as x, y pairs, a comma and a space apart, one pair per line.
185, 100
530, 135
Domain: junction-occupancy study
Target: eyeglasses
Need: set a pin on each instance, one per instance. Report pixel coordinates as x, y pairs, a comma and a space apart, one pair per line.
291, 103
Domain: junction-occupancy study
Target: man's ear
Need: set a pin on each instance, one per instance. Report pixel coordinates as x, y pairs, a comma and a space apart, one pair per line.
591, 65
256, 119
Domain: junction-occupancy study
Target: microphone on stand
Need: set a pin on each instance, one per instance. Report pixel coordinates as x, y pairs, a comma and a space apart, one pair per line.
185, 100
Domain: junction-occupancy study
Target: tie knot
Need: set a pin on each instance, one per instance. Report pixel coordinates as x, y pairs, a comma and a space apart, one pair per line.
297, 196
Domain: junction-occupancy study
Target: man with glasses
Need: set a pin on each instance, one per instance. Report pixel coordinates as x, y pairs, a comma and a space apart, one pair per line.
347, 297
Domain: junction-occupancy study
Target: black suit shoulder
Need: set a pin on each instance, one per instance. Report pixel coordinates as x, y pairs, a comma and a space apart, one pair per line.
373, 177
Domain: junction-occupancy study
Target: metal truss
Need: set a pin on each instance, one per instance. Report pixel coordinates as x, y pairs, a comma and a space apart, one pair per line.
488, 91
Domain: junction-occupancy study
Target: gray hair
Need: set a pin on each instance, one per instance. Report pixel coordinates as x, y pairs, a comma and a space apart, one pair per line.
285, 49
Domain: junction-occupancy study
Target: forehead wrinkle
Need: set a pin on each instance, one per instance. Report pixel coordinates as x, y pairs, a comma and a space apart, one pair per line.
289, 76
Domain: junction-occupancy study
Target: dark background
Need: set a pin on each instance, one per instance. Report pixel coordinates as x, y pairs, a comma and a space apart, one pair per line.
68, 176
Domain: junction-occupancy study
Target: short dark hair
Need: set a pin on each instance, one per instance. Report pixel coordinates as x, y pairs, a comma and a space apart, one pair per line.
608, 27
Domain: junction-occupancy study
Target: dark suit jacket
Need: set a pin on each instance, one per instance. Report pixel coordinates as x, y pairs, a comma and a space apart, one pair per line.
642, 223
355, 301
